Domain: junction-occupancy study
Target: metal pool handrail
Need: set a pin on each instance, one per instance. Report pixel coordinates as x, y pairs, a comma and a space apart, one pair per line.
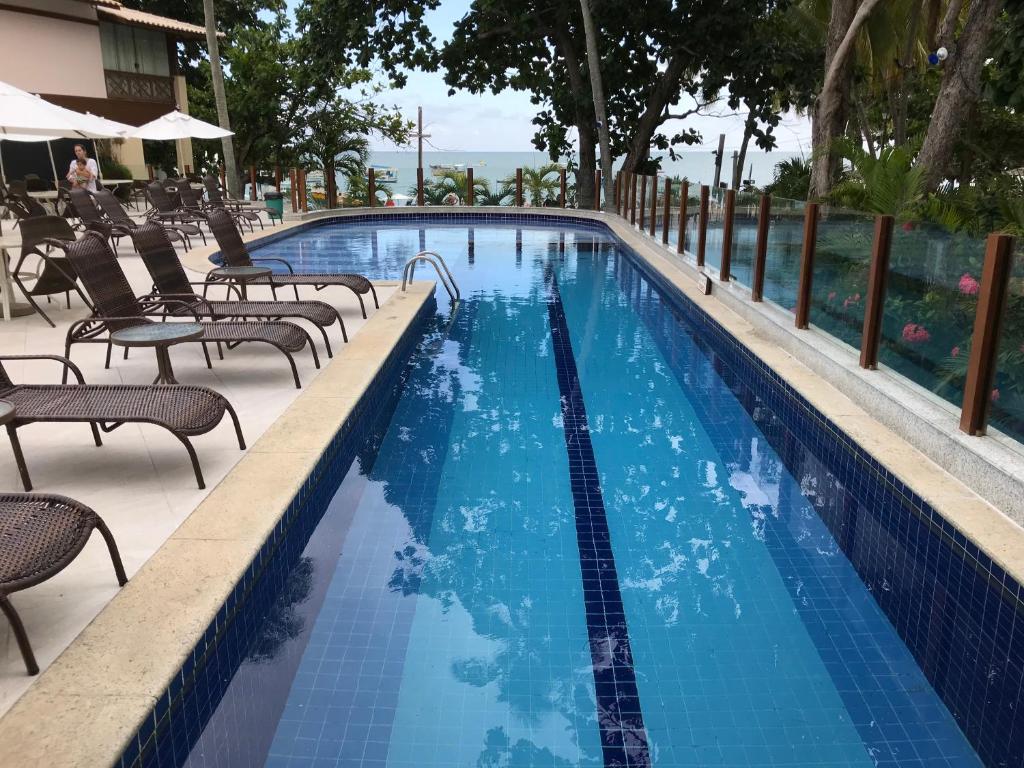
449, 284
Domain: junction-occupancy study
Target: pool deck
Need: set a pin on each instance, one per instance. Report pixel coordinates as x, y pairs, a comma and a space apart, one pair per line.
91, 700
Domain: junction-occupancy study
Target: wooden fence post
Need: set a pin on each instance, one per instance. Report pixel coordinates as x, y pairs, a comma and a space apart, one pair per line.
702, 224
803, 292
654, 205
666, 212
643, 201
519, 187
371, 188
419, 186
988, 318
875, 298
761, 249
597, 191
303, 196
632, 198
469, 186
561, 186
252, 183
294, 192
728, 216
684, 194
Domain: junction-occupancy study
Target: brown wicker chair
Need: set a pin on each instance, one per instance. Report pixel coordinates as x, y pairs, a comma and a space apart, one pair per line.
40, 535
91, 216
171, 282
183, 410
56, 275
235, 254
114, 306
118, 217
165, 210
238, 210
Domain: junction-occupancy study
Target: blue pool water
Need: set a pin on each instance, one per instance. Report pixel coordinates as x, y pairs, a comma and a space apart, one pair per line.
579, 540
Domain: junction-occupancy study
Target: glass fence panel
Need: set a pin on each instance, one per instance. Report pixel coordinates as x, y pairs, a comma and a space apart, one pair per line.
842, 259
782, 260
744, 237
931, 298
713, 244
1007, 410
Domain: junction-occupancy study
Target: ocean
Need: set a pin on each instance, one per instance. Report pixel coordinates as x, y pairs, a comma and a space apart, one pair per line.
698, 165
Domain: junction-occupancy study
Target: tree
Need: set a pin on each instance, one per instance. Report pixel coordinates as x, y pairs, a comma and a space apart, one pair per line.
958, 94
831, 110
217, 77
539, 184
600, 114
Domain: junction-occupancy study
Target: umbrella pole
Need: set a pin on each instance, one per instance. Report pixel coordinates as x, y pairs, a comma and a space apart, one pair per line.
96, 155
53, 166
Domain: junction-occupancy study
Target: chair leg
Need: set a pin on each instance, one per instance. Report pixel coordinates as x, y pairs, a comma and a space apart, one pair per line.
374, 292
115, 556
238, 426
194, 458
19, 457
20, 634
362, 307
327, 341
106, 363
126, 353
96, 434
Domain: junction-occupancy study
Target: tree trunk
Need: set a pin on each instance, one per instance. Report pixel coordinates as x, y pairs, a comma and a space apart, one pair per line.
832, 107
597, 90
741, 159
957, 97
639, 146
585, 173
903, 66
563, 39
230, 167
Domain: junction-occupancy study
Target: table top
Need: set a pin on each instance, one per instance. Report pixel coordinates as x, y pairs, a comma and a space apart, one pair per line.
45, 194
156, 334
116, 181
7, 411
9, 240
241, 273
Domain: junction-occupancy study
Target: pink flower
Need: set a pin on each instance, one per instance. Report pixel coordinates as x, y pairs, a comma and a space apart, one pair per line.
832, 296
908, 227
851, 300
955, 351
968, 285
856, 297
915, 334
995, 395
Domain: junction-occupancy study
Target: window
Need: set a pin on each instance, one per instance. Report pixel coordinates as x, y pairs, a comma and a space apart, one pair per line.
134, 49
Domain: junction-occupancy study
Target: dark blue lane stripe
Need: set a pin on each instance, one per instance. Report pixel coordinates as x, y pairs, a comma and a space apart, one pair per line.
623, 736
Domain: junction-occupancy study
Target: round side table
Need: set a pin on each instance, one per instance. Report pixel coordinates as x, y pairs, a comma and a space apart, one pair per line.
241, 275
160, 336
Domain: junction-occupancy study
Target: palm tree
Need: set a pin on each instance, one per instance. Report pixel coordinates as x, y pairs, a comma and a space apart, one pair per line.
500, 195
889, 183
539, 184
217, 75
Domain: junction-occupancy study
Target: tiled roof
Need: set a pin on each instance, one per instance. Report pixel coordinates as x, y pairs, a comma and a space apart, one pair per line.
112, 9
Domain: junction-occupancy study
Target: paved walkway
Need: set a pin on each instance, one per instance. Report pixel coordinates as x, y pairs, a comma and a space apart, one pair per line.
140, 481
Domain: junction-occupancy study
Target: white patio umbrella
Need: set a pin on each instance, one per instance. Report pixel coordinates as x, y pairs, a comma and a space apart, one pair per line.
178, 125
26, 138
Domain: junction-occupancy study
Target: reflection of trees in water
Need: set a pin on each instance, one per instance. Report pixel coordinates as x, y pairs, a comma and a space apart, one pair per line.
500, 752
282, 623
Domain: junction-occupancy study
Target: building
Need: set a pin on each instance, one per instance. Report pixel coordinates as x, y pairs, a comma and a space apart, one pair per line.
93, 56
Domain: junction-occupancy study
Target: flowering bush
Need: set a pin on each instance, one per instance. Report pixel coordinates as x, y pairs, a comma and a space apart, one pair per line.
968, 285
915, 334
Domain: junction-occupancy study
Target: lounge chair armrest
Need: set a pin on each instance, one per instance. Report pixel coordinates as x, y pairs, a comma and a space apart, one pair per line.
59, 358
161, 305
291, 271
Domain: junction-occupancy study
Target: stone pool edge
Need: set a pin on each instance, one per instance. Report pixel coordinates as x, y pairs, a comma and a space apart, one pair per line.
88, 705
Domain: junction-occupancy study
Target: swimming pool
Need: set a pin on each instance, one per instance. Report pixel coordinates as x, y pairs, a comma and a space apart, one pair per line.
584, 529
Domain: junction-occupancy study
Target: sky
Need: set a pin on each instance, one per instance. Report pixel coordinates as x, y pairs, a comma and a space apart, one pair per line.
466, 122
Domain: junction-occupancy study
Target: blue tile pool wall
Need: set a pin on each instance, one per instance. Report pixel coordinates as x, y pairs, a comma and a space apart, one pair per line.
167, 735
955, 609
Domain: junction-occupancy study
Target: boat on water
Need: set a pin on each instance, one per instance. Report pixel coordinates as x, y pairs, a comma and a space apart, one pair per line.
385, 174
440, 169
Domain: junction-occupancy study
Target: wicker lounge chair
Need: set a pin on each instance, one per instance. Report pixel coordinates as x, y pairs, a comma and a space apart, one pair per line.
171, 282
235, 254
40, 535
115, 306
183, 410
118, 217
56, 274
167, 211
91, 217
239, 211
